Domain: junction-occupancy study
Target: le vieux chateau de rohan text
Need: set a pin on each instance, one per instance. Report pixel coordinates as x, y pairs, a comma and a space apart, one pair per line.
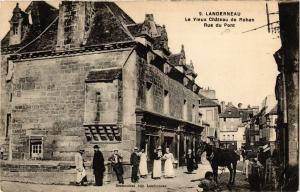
149, 96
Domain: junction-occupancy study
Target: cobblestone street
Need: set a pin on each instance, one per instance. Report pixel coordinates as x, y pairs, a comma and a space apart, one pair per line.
182, 182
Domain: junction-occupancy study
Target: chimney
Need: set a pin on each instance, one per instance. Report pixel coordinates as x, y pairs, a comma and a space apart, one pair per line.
240, 105
222, 106
75, 17
182, 57
149, 26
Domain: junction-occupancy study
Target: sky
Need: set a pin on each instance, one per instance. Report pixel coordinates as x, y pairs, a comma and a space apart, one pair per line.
239, 66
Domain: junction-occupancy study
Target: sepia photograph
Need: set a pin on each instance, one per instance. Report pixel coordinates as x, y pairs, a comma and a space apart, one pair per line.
154, 96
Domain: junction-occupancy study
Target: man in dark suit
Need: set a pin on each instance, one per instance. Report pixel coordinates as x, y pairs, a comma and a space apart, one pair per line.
135, 162
98, 166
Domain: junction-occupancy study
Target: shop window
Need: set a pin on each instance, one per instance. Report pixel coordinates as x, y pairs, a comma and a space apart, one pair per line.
149, 96
36, 148
166, 102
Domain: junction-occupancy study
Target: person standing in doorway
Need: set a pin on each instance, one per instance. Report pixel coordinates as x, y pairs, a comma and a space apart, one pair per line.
190, 162
81, 178
116, 163
143, 164
98, 166
135, 162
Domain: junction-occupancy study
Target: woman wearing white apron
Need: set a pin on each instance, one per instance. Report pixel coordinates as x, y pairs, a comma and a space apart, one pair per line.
143, 164
156, 174
169, 169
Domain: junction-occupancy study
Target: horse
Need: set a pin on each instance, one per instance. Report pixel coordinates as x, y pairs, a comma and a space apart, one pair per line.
222, 157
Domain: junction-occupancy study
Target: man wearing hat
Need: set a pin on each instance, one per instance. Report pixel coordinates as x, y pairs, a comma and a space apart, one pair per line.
81, 178
98, 166
116, 163
135, 162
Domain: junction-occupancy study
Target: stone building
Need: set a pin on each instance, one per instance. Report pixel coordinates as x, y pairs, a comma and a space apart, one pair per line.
287, 94
234, 124
267, 122
210, 110
87, 74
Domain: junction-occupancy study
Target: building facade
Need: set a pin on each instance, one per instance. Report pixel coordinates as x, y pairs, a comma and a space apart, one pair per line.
287, 93
235, 125
210, 110
87, 74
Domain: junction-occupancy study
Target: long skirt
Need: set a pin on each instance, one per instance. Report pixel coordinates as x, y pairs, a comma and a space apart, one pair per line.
247, 168
169, 169
143, 167
80, 175
156, 169
190, 165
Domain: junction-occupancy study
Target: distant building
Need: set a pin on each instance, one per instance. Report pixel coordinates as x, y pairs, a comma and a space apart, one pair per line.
233, 121
268, 122
210, 110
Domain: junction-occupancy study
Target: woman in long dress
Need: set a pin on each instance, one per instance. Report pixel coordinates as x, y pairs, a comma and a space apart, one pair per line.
169, 169
143, 164
156, 174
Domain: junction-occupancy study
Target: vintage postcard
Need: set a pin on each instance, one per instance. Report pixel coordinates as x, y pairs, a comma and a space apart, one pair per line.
132, 96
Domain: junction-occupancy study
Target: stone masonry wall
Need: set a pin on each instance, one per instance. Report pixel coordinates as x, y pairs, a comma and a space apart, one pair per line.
49, 100
177, 92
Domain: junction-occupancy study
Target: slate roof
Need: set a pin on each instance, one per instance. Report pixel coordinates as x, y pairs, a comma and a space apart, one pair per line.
109, 26
246, 114
174, 59
206, 102
43, 15
230, 112
135, 29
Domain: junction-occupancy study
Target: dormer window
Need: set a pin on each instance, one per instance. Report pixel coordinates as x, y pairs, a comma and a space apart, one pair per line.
15, 28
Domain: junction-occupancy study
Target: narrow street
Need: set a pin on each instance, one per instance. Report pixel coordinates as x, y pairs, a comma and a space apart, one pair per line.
181, 183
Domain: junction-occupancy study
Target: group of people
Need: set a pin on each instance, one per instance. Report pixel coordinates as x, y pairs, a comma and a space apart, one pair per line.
138, 161
254, 167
